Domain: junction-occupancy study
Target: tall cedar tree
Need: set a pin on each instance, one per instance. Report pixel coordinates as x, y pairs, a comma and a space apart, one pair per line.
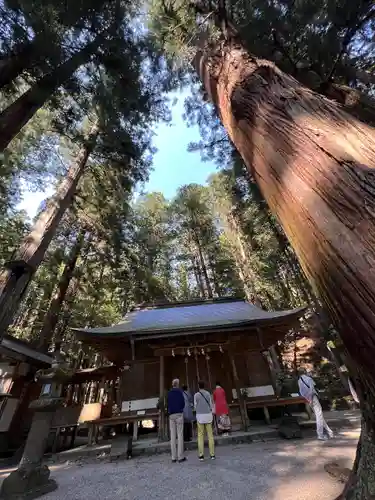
313, 163
121, 133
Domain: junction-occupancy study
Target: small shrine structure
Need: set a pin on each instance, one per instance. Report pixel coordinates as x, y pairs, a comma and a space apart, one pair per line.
219, 339
19, 362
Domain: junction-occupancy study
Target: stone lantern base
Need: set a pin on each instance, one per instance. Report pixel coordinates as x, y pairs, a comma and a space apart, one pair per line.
27, 483
32, 478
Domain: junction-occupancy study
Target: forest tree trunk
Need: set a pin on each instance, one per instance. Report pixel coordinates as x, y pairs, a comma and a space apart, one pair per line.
242, 258
16, 276
17, 114
53, 313
16, 62
198, 277
203, 266
313, 163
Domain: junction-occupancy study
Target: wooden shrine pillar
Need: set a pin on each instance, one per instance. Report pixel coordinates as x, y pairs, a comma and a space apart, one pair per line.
69, 395
101, 391
241, 401
275, 359
162, 421
272, 370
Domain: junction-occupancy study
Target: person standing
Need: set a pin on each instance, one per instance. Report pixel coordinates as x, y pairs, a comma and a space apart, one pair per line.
307, 390
188, 413
203, 408
221, 409
176, 404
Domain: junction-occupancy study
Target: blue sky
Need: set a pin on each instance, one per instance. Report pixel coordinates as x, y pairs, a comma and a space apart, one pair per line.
173, 165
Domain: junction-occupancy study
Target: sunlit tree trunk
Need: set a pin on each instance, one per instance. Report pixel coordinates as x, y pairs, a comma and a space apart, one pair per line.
313, 163
16, 276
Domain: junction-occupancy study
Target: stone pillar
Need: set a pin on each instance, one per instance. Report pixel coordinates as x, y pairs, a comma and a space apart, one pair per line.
37, 438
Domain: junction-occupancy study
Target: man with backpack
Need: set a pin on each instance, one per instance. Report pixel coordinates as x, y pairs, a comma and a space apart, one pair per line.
203, 409
307, 390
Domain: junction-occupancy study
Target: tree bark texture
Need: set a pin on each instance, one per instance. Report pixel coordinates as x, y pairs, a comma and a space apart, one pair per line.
314, 165
53, 313
15, 278
17, 114
356, 103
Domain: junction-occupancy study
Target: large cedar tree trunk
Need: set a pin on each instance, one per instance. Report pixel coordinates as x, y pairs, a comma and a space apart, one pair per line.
313, 163
17, 114
52, 317
16, 276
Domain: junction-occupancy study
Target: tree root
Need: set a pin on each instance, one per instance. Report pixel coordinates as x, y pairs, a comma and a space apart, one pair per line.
338, 472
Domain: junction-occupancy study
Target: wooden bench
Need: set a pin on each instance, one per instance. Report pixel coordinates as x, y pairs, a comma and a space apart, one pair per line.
270, 402
65, 422
121, 419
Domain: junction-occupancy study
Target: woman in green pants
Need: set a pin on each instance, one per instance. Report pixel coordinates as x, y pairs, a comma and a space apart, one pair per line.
203, 409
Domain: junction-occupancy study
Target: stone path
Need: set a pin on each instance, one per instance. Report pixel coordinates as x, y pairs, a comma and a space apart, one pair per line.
275, 470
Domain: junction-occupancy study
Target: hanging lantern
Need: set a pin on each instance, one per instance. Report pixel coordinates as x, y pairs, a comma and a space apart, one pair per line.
220, 349
188, 352
208, 357
173, 352
203, 351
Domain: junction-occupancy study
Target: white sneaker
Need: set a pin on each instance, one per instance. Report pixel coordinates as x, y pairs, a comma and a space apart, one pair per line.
322, 438
331, 435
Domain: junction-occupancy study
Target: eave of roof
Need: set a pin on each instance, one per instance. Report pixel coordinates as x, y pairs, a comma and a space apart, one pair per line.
191, 319
10, 345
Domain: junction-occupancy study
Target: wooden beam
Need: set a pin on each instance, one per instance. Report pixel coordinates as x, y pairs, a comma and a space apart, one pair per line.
237, 385
161, 399
182, 350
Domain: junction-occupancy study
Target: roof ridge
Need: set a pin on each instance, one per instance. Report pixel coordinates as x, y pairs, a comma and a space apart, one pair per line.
185, 303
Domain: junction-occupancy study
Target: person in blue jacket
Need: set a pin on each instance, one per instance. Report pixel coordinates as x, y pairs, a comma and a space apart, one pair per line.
176, 404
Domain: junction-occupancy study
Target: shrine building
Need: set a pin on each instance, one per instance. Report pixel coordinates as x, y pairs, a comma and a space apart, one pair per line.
226, 340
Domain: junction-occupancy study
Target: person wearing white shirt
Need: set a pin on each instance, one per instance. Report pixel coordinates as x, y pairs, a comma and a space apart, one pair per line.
307, 390
203, 408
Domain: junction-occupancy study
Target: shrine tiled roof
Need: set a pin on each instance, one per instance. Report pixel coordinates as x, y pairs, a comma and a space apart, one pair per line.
188, 317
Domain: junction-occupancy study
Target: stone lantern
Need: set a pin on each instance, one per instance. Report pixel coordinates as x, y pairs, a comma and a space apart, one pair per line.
32, 479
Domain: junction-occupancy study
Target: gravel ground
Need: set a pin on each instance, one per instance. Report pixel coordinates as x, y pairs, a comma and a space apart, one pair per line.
275, 470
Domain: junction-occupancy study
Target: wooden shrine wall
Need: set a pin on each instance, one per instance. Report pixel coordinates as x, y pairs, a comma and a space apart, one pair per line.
141, 381
252, 369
